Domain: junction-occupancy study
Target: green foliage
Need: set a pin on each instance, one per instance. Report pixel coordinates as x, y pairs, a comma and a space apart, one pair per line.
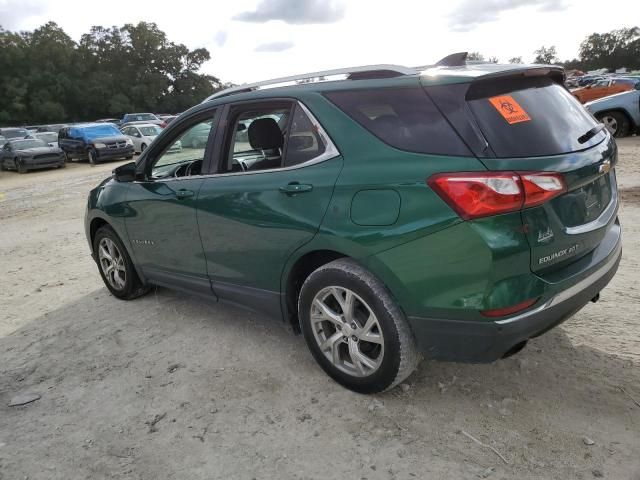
47, 77
546, 55
515, 60
612, 50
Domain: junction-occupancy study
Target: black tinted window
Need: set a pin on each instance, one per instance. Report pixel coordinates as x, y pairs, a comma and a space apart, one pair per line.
404, 118
551, 120
305, 143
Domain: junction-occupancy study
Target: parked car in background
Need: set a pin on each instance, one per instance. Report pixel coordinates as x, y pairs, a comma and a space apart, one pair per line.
142, 134
456, 212
12, 132
603, 88
141, 117
167, 119
115, 121
620, 113
55, 128
50, 138
95, 142
27, 154
3, 140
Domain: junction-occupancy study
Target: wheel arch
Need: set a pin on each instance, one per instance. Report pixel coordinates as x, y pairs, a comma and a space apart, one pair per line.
295, 276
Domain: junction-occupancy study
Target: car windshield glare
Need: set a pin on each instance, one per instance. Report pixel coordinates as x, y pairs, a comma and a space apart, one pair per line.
30, 143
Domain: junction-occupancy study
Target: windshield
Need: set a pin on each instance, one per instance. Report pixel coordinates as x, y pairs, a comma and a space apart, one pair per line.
140, 117
150, 131
47, 137
101, 131
30, 143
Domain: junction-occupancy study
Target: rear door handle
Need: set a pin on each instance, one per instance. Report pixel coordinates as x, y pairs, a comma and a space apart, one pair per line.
182, 194
294, 188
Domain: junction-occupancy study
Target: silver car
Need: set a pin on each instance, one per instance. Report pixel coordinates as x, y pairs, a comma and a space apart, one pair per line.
142, 134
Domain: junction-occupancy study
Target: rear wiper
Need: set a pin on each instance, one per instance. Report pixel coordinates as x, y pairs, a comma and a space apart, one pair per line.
591, 133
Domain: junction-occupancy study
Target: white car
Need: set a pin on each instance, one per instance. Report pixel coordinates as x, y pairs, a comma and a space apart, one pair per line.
50, 138
142, 134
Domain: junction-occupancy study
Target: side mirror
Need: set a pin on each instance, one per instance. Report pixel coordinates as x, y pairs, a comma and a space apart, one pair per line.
126, 172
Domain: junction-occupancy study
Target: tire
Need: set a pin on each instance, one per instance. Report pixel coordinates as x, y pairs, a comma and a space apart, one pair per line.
62, 165
2, 167
387, 359
616, 122
142, 147
121, 280
20, 166
128, 157
91, 156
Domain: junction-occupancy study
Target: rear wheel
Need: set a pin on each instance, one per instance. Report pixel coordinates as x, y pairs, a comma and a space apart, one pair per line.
142, 147
354, 328
115, 265
616, 122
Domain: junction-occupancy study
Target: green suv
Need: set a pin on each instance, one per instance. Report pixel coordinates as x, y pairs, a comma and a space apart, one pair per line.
388, 213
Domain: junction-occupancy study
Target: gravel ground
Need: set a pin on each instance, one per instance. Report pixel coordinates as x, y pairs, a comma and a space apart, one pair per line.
169, 386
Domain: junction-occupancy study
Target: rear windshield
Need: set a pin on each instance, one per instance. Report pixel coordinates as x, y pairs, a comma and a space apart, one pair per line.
530, 117
150, 131
404, 118
15, 133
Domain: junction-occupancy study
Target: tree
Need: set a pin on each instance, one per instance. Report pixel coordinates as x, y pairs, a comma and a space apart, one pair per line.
46, 77
493, 60
515, 60
546, 55
475, 56
612, 50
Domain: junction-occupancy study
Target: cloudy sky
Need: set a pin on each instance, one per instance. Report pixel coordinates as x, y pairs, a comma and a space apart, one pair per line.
252, 40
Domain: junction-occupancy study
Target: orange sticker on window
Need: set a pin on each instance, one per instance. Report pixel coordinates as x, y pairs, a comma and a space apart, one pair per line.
510, 109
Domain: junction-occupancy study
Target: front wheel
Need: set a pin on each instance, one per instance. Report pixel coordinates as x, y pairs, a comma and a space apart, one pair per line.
20, 166
354, 328
92, 156
617, 123
115, 265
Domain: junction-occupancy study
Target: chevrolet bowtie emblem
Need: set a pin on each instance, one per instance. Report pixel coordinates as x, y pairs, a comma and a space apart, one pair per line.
604, 167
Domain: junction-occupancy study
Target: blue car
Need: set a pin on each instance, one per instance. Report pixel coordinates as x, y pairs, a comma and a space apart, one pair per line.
95, 142
620, 113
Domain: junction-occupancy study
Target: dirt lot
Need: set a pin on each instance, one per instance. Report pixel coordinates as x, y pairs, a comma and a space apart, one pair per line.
172, 387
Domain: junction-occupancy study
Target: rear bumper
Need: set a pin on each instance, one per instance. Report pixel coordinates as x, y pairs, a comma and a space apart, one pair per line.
481, 342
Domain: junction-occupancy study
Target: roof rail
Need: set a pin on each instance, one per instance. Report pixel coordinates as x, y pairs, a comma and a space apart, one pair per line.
353, 73
369, 71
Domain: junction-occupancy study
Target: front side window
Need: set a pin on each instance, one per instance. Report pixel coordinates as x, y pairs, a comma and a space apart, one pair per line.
185, 154
150, 131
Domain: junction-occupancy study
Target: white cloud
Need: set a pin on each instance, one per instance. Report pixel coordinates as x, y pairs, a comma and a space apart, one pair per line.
274, 46
295, 11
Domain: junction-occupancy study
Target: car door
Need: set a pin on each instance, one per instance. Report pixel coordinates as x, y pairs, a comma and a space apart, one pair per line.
161, 216
271, 188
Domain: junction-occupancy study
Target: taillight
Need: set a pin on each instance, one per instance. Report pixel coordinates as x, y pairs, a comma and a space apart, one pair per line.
482, 194
501, 312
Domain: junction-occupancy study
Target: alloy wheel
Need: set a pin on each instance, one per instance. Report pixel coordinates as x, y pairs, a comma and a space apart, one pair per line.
610, 124
112, 263
347, 331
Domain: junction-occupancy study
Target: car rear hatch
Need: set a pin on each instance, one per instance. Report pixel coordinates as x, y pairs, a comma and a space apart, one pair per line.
525, 121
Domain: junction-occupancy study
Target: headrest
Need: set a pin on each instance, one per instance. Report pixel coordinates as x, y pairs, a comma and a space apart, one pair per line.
264, 134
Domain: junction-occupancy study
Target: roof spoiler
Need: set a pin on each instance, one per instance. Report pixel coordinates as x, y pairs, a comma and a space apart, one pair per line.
454, 60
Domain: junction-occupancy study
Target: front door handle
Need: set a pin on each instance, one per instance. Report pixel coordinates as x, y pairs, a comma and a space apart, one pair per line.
182, 194
294, 188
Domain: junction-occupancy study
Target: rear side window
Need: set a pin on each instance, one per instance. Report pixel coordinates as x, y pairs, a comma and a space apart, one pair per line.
305, 143
530, 117
404, 118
